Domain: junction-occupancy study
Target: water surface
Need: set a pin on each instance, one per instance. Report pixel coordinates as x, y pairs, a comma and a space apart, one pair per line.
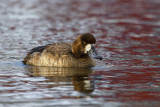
128, 37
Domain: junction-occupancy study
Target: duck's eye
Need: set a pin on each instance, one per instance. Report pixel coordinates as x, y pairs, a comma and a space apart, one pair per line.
84, 43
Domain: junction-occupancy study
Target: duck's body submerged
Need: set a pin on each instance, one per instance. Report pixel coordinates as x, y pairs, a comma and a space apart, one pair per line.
75, 55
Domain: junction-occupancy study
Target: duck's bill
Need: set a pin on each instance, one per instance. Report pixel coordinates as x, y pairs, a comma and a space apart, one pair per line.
94, 54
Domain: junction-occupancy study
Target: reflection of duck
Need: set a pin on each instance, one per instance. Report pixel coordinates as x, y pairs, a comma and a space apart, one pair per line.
79, 77
79, 54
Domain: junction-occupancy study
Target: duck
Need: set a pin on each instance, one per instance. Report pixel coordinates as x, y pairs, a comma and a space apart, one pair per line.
81, 53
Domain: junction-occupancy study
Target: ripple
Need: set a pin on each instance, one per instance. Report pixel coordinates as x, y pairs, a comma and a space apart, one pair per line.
127, 34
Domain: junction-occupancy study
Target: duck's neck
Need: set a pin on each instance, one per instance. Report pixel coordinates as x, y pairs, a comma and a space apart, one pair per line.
78, 49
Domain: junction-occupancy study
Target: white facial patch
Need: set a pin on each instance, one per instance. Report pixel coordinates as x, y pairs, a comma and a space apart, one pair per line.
87, 48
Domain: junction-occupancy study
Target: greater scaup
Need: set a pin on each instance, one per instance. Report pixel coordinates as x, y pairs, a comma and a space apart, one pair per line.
78, 54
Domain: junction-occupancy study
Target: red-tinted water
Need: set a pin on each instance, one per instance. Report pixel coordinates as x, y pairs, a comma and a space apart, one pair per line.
128, 37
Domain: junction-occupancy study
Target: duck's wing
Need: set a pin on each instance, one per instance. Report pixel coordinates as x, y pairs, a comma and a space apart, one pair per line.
38, 49
55, 49
59, 48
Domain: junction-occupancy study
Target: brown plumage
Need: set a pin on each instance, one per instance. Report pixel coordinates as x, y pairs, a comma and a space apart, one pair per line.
63, 54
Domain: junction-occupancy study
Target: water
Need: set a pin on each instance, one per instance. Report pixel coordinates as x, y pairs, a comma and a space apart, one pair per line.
128, 37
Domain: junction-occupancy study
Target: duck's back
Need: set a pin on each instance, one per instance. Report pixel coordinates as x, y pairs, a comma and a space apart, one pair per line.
57, 55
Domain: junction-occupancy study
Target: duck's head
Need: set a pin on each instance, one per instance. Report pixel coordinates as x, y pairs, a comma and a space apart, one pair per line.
84, 46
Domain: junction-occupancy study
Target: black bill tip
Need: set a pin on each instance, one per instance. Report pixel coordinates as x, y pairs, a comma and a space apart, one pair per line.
98, 57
